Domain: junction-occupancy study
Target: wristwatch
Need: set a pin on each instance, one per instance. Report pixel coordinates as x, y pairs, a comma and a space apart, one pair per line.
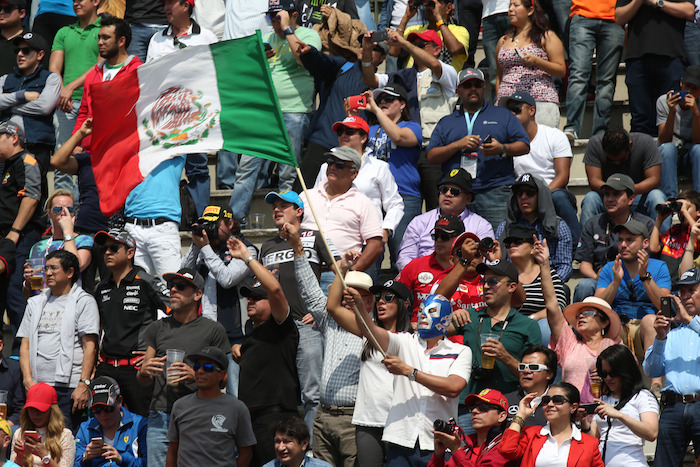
659, 4
86, 381
464, 261
288, 31
68, 238
412, 376
645, 277
46, 460
505, 151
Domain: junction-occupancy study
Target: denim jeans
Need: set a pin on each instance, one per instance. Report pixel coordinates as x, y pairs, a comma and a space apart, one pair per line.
399, 456
309, 364
64, 128
327, 278
491, 204
607, 38
584, 289
493, 28
226, 167
65, 403
647, 78
567, 211
234, 372
198, 182
364, 11
157, 438
157, 248
692, 39
690, 159
645, 204
678, 425
559, 19
412, 207
249, 167
140, 37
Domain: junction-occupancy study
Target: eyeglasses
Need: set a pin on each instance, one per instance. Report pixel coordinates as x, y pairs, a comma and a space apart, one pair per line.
106, 409
348, 131
8, 8
491, 282
558, 399
485, 407
178, 44
472, 83
388, 297
387, 98
178, 285
114, 247
514, 242
445, 237
340, 165
24, 50
533, 367
208, 367
454, 191
604, 374
59, 209
52, 267
515, 108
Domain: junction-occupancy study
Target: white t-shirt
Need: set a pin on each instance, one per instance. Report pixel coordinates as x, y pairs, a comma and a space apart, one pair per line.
625, 449
448, 79
374, 393
491, 7
549, 144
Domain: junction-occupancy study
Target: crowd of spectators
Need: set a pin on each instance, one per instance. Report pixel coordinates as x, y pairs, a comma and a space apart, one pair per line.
445, 303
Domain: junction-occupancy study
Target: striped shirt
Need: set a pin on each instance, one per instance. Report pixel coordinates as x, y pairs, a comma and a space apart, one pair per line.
535, 299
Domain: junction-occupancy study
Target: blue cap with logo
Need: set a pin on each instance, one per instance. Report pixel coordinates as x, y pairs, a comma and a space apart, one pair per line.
288, 196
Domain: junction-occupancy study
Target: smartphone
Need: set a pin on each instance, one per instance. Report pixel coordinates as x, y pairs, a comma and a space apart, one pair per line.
98, 441
355, 102
518, 53
267, 46
31, 434
487, 140
683, 94
668, 307
590, 408
380, 36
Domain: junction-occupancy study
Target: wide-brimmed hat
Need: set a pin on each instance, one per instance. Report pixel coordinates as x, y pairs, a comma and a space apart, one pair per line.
571, 313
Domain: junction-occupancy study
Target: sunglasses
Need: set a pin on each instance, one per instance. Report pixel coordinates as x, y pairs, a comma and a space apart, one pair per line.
8, 8
208, 367
387, 98
476, 84
348, 131
24, 50
450, 189
340, 165
114, 247
633, 293
558, 399
178, 285
106, 409
515, 108
59, 209
604, 374
485, 407
533, 367
445, 237
526, 191
387, 297
421, 44
178, 44
514, 242
491, 282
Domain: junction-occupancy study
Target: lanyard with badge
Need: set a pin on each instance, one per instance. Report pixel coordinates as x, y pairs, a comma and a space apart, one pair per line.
469, 159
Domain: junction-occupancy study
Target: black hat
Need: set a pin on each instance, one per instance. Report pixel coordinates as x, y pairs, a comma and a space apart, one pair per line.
34, 40
519, 232
190, 276
525, 179
21, 4
104, 391
213, 213
634, 227
391, 285
459, 177
450, 223
690, 277
256, 291
211, 353
500, 267
392, 89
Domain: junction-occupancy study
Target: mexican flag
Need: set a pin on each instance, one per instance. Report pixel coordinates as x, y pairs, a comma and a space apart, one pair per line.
199, 99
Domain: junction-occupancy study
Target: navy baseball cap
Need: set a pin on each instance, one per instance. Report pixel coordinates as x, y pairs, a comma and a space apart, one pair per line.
519, 96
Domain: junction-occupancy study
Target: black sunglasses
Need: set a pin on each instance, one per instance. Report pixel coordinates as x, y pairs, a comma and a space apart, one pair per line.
106, 409
59, 209
632, 291
472, 83
387, 297
604, 374
527, 191
24, 50
178, 285
348, 131
491, 282
514, 242
208, 367
178, 44
387, 98
8, 8
340, 165
515, 108
558, 399
454, 191
485, 407
444, 236
114, 247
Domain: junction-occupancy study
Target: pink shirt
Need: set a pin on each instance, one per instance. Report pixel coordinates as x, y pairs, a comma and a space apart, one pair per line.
575, 358
349, 220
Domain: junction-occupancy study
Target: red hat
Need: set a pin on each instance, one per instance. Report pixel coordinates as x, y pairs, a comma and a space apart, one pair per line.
428, 36
41, 396
457, 242
352, 122
490, 396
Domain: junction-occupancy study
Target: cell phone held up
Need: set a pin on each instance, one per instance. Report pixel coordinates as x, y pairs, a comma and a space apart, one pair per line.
668, 307
31, 434
355, 102
590, 408
380, 36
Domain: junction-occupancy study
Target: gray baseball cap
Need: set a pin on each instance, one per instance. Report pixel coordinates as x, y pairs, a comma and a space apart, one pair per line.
620, 182
634, 227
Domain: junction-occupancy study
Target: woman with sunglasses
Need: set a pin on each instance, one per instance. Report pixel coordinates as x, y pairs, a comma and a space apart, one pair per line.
528, 56
376, 387
628, 413
42, 438
557, 444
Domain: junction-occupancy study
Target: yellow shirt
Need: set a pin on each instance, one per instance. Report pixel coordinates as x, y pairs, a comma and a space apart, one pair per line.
460, 33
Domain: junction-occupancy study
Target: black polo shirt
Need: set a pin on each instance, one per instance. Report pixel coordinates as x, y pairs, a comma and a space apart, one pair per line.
22, 176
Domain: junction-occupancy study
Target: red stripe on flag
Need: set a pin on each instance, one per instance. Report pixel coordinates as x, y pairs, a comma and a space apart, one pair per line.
115, 140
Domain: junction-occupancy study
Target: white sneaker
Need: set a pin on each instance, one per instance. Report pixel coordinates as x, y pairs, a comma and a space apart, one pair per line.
571, 134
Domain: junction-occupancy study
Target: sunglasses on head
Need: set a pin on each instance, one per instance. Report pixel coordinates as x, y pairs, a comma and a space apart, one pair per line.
386, 296
348, 131
444, 236
178, 285
340, 165
114, 247
485, 407
558, 399
514, 242
206, 366
472, 83
533, 367
604, 374
24, 50
387, 98
103, 408
59, 209
454, 191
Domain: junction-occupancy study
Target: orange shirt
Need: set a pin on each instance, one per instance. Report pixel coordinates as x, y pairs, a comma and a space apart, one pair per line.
595, 9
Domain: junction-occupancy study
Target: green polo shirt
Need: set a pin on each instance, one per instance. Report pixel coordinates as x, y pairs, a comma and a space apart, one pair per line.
521, 332
80, 48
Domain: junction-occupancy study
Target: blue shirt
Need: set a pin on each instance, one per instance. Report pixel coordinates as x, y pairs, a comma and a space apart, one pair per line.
677, 357
403, 161
159, 194
635, 305
501, 124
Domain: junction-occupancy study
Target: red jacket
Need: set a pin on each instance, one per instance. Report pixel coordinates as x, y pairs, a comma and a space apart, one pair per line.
488, 456
95, 76
528, 443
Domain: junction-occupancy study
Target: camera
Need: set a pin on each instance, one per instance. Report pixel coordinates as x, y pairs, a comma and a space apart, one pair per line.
486, 244
208, 227
481, 374
673, 206
445, 426
413, 4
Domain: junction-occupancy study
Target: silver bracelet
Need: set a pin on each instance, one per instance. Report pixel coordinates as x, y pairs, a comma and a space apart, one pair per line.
250, 258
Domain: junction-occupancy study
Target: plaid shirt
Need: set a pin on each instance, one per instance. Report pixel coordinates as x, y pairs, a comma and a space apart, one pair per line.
341, 354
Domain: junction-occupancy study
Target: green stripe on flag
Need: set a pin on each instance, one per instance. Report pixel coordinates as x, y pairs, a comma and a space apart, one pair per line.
251, 119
